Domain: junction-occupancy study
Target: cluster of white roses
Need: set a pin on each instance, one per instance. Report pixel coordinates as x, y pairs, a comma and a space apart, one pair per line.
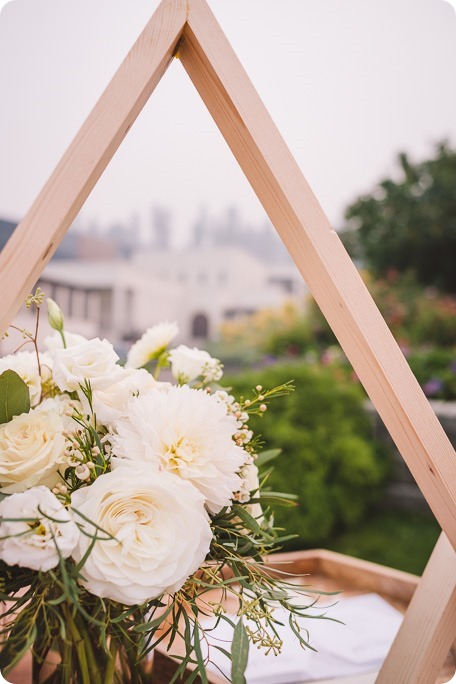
113, 466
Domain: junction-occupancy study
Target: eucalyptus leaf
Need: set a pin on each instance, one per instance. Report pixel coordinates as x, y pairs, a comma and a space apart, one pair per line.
266, 456
248, 520
239, 654
14, 396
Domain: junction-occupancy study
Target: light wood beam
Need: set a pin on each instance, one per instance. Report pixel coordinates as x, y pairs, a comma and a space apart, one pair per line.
429, 625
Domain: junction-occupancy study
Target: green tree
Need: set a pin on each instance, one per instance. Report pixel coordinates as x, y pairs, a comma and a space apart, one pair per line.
409, 225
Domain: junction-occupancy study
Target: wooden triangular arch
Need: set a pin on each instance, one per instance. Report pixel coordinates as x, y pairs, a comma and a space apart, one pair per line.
188, 29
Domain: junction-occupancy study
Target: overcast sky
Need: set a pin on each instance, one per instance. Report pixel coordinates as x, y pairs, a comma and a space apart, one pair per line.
349, 83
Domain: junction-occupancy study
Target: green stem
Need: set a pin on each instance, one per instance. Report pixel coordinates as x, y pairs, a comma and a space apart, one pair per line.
111, 668
67, 663
94, 667
78, 642
35, 669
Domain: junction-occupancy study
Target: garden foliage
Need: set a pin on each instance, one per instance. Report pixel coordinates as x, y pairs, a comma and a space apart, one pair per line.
329, 458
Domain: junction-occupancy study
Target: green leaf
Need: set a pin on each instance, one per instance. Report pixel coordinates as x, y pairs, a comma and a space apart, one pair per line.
199, 655
267, 456
248, 520
14, 396
153, 624
239, 654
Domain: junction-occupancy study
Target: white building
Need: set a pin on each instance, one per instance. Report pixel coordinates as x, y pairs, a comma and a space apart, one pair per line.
198, 288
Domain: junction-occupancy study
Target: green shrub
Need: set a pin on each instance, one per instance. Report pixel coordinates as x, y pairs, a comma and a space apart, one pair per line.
414, 536
329, 458
294, 340
435, 370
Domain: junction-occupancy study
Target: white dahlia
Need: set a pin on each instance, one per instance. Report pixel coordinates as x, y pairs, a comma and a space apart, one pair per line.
151, 345
188, 433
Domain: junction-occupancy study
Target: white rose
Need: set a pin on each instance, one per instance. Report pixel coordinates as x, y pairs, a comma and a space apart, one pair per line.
111, 403
31, 450
93, 360
188, 364
151, 345
46, 530
53, 342
25, 364
162, 534
187, 432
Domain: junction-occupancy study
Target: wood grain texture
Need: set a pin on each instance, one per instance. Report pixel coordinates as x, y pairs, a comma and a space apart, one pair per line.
429, 626
323, 261
37, 237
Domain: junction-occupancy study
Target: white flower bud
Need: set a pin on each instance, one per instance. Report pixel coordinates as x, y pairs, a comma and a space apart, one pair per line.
55, 315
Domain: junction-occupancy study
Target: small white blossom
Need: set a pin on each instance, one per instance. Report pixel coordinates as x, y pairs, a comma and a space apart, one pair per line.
60, 488
151, 345
82, 471
189, 364
250, 484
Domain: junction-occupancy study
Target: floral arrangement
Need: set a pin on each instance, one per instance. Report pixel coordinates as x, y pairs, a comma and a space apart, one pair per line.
131, 508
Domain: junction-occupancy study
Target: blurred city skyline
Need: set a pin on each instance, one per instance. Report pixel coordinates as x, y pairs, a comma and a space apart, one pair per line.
349, 85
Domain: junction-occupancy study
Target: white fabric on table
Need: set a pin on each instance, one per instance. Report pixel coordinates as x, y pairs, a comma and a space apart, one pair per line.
356, 647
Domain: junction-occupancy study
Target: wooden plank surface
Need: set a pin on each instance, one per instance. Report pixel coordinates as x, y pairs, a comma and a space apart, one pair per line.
37, 237
347, 572
429, 626
317, 251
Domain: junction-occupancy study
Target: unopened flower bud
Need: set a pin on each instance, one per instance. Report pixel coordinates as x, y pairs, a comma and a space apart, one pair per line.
82, 471
55, 315
263, 408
